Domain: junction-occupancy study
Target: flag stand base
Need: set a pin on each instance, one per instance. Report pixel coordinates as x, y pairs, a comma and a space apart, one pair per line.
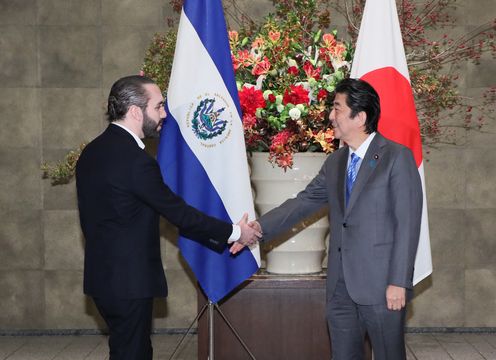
211, 306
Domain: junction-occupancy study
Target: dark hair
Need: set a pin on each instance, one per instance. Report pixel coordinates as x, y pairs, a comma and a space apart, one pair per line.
361, 96
125, 92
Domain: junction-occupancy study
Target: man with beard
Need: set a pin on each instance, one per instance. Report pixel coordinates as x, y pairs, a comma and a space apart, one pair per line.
120, 196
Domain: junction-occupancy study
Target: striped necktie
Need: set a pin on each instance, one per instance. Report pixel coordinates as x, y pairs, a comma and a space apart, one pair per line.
351, 175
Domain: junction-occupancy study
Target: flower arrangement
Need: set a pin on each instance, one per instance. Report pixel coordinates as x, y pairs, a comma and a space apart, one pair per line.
286, 72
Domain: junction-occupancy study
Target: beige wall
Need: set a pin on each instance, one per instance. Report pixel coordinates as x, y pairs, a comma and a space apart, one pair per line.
58, 59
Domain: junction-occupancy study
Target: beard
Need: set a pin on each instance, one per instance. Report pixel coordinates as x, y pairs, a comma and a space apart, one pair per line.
150, 127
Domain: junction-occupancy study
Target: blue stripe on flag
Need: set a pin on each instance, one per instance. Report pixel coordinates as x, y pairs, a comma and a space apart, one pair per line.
217, 46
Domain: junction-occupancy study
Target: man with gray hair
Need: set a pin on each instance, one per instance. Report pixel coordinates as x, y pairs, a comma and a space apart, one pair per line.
121, 195
372, 189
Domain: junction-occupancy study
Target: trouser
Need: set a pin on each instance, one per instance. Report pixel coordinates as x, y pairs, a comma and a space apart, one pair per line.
348, 322
129, 323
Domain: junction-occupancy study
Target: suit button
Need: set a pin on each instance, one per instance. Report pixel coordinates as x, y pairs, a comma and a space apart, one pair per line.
339, 249
345, 225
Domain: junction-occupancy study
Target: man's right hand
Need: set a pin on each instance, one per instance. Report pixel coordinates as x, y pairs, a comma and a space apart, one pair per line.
249, 235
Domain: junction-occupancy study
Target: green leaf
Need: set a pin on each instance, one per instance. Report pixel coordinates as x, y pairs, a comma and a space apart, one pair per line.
316, 37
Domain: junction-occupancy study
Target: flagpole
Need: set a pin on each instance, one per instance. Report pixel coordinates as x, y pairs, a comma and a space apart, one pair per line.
211, 306
211, 351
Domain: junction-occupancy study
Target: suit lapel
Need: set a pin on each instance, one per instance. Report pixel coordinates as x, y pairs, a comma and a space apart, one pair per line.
372, 158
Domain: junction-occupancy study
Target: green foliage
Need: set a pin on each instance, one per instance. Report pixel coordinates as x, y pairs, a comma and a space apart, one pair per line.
158, 58
62, 171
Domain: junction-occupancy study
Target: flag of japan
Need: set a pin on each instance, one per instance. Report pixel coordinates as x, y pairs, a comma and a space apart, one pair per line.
380, 60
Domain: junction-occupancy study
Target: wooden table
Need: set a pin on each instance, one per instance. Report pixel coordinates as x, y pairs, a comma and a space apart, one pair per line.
278, 317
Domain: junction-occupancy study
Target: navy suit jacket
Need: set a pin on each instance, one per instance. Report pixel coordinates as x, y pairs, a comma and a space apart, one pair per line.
121, 195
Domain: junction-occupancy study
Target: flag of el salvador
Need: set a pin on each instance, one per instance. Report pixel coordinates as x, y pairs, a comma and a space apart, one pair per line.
201, 152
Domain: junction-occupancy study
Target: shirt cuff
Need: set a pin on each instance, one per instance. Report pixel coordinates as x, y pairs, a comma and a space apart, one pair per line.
235, 235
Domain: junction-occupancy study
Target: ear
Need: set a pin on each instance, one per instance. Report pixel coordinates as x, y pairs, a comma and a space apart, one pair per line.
136, 113
362, 118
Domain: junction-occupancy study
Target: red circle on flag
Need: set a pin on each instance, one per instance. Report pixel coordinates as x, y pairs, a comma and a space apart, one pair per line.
398, 121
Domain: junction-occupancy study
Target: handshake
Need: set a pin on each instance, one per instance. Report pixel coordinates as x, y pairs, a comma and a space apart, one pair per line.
251, 232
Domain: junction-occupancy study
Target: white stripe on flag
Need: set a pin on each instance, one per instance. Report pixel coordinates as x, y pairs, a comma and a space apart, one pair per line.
386, 49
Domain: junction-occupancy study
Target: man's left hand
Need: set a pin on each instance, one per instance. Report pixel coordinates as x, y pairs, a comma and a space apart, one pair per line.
395, 297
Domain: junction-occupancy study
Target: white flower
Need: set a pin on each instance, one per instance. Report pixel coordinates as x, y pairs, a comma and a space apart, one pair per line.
292, 62
338, 63
280, 108
295, 113
260, 80
256, 53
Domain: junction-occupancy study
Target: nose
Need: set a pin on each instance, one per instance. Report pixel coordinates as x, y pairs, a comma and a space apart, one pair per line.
332, 115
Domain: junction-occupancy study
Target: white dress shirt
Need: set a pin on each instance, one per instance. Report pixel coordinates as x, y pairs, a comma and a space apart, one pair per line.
361, 151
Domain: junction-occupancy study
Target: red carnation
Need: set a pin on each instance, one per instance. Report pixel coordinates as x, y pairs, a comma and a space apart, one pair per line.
250, 100
293, 70
322, 95
297, 95
272, 98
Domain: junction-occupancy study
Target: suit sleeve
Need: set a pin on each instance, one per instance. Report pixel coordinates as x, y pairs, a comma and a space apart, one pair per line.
282, 218
406, 195
148, 186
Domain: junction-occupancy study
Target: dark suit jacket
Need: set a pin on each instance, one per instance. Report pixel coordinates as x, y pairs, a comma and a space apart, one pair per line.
376, 236
121, 194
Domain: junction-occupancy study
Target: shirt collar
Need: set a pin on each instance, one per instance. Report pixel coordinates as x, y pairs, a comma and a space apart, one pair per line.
362, 149
140, 143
